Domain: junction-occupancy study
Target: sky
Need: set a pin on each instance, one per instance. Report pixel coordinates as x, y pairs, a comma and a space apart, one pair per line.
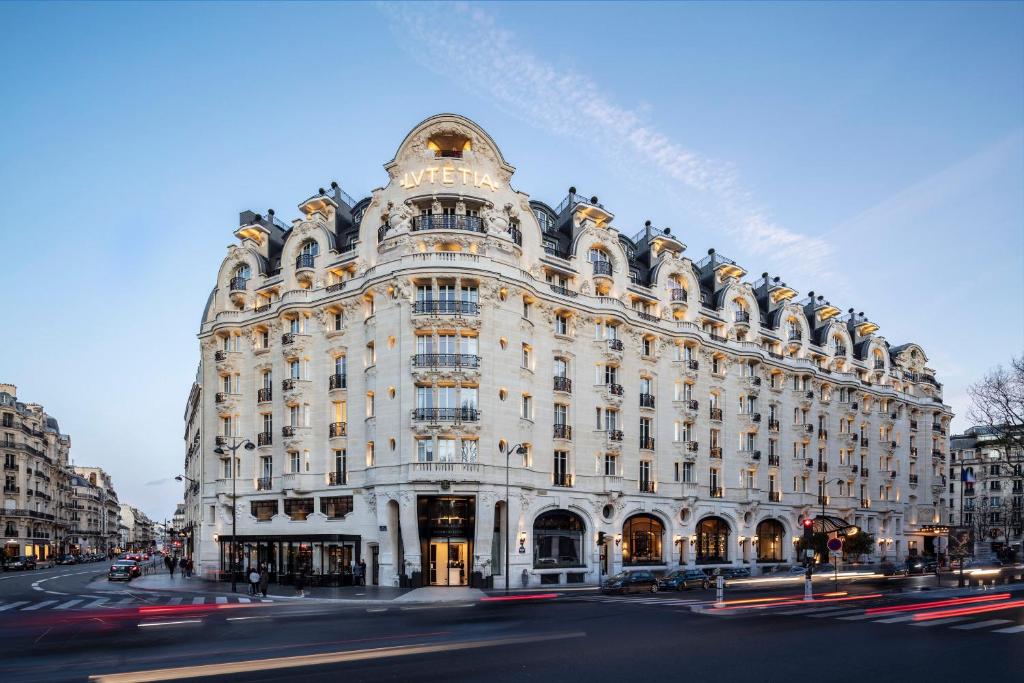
872, 153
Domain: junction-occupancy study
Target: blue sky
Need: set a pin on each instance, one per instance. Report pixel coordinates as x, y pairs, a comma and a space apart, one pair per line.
873, 153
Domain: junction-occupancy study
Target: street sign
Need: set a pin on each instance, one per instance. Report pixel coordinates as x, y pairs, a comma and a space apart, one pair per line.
809, 553
835, 545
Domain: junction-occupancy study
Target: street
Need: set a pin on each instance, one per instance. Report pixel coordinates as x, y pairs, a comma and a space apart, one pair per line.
115, 632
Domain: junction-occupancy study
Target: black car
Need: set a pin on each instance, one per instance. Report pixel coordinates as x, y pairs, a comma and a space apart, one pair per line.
641, 581
123, 570
681, 579
737, 573
67, 559
20, 562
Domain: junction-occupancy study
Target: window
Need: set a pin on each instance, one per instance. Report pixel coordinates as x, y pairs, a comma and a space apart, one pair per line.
642, 537
338, 321
425, 450
558, 540
263, 510
527, 359
712, 541
561, 414
527, 407
340, 467
687, 472
294, 463
648, 346
470, 450
770, 538
526, 309
445, 449
298, 509
611, 465
336, 507
562, 324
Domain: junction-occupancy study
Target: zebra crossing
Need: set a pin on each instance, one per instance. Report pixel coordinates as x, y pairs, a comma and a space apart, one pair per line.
93, 602
1008, 621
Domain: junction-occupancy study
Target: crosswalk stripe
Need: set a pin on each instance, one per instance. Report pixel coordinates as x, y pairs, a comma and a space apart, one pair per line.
96, 603
175, 601
1011, 629
265, 600
4, 608
835, 613
896, 620
939, 622
38, 605
198, 601
68, 604
861, 617
243, 599
981, 624
222, 600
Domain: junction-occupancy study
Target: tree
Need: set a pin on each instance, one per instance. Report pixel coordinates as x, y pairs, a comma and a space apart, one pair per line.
861, 543
997, 402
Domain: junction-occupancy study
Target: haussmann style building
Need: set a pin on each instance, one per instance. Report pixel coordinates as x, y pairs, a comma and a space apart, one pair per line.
388, 357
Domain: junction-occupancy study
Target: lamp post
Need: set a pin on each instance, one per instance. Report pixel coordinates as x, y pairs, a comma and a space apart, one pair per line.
236, 443
520, 449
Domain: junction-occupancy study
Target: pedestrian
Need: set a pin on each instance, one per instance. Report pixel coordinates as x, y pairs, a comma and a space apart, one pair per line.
362, 572
264, 579
188, 567
300, 583
254, 580
181, 565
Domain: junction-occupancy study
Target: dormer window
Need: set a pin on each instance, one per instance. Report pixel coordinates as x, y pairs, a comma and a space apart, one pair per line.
242, 272
449, 146
310, 248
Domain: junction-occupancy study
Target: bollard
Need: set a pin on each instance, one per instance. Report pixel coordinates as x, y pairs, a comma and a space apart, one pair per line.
719, 590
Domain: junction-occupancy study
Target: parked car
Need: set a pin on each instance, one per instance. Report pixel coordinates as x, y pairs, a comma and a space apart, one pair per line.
736, 573
20, 562
681, 579
892, 569
67, 559
797, 571
824, 568
122, 570
640, 581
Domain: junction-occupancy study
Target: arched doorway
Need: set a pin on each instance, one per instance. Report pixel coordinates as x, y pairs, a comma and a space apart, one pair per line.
771, 538
712, 541
643, 540
558, 540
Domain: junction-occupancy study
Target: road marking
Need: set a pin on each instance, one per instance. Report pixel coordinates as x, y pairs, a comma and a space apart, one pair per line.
376, 609
1011, 629
4, 608
266, 600
170, 623
96, 603
982, 624
125, 601
68, 604
222, 600
246, 666
896, 620
244, 600
937, 622
38, 605
198, 601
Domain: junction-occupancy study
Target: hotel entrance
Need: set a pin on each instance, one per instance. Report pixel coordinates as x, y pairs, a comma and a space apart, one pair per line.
448, 562
446, 525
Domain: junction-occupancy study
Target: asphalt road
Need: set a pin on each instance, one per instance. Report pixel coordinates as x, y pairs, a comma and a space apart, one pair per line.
574, 637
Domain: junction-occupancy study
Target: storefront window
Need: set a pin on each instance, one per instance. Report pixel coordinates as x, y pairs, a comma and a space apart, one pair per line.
336, 507
770, 536
558, 540
263, 510
298, 509
712, 541
642, 540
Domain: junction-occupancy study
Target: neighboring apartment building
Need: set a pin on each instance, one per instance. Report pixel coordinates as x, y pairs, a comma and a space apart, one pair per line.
110, 520
140, 532
86, 518
192, 479
991, 501
33, 518
393, 360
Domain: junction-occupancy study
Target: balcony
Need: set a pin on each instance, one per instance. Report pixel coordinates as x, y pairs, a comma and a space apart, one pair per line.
646, 486
220, 397
795, 336
717, 492
643, 315
11, 466
773, 425
264, 483
238, 284
441, 471
288, 338
602, 269
716, 452
913, 425
447, 222
823, 467
563, 384
446, 414
220, 356
264, 395
865, 502
561, 431
288, 430
336, 382
264, 439
614, 389
716, 414
337, 429
446, 307
912, 478
289, 384
822, 500
13, 489
864, 442
220, 441
775, 496
305, 261
691, 446
337, 478
773, 460
646, 444
646, 400
742, 318
754, 417
692, 364
335, 287
562, 479
615, 345
879, 364
563, 291
691, 405
614, 434
936, 453
557, 253
865, 472
446, 360
677, 297
840, 351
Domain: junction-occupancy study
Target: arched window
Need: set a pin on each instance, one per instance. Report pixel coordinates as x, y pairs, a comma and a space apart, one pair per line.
310, 248
642, 540
242, 271
596, 254
558, 540
712, 541
770, 538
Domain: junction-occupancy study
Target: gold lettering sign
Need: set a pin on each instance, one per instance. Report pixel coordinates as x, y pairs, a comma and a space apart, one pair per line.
447, 175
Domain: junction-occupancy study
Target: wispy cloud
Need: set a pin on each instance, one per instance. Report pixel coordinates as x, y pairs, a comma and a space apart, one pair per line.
570, 104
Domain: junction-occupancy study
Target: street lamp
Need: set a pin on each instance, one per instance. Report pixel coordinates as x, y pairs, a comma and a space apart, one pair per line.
190, 548
236, 443
520, 449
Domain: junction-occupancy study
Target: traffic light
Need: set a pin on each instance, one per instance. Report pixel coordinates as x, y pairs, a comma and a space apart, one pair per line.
600, 538
808, 525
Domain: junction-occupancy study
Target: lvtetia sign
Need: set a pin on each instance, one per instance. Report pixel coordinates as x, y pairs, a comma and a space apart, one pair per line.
447, 175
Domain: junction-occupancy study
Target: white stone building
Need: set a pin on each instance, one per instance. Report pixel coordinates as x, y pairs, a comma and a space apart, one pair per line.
384, 355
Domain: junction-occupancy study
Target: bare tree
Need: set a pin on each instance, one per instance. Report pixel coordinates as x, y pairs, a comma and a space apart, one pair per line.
997, 402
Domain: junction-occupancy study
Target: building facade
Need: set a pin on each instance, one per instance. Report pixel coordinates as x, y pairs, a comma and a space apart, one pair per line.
190, 526
36, 492
109, 519
396, 360
991, 500
139, 531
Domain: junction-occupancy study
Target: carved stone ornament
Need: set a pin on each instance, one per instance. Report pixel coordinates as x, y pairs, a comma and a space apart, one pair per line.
371, 503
